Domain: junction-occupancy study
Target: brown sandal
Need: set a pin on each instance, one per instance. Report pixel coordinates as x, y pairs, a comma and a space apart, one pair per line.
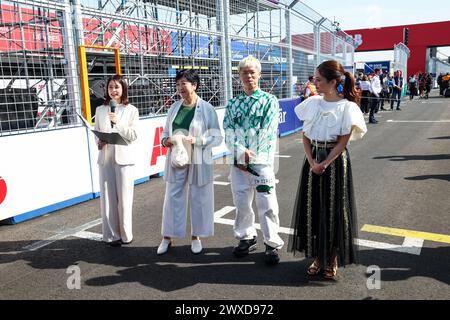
314, 268
330, 271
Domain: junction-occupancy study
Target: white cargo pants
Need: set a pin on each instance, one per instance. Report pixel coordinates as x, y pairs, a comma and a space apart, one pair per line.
243, 187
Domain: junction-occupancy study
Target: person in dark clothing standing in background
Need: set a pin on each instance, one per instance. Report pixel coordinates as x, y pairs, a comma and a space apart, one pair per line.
412, 87
428, 81
439, 82
397, 89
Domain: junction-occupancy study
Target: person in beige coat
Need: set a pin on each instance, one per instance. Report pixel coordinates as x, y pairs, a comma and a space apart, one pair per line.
116, 162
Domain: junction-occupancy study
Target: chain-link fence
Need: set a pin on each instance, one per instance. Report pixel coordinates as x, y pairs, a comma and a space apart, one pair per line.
38, 73
39, 70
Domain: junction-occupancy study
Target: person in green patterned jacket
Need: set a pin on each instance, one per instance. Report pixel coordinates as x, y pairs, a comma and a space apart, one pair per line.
251, 133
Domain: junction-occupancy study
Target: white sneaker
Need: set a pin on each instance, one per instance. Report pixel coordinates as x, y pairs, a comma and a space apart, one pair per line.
196, 246
164, 246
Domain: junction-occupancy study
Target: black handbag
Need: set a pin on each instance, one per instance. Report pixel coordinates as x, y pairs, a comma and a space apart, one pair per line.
321, 154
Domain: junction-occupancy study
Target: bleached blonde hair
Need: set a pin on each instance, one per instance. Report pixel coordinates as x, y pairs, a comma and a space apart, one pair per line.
249, 61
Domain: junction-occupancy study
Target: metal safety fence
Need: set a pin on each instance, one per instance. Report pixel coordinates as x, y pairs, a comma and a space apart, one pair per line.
39, 67
437, 66
401, 55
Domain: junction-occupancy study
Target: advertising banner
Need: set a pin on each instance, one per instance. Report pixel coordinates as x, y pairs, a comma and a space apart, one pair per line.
288, 122
369, 67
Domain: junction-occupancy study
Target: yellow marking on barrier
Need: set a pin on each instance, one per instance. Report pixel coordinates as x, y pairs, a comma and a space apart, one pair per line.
436, 237
117, 61
84, 79
86, 103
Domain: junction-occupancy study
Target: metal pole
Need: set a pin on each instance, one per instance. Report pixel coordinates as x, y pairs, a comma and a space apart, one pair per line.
317, 36
24, 47
141, 56
73, 84
50, 93
317, 41
226, 48
256, 28
344, 52
191, 39
289, 63
77, 22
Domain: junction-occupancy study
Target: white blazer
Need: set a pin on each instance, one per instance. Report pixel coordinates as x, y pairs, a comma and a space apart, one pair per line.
204, 125
126, 126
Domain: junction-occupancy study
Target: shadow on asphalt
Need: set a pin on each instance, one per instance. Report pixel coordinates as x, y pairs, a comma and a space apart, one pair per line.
395, 266
177, 269
415, 157
440, 138
445, 177
180, 269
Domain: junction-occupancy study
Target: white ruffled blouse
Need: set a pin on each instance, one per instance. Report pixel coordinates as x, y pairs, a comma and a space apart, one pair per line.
325, 121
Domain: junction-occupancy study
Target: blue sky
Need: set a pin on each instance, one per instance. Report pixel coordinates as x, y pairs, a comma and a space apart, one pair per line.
381, 13
363, 14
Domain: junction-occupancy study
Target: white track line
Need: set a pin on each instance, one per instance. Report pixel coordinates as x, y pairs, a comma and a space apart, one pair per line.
62, 235
225, 210
410, 245
89, 235
221, 183
419, 121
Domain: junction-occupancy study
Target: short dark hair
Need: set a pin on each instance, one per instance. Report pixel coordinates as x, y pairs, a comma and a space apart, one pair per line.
311, 78
377, 69
190, 75
120, 79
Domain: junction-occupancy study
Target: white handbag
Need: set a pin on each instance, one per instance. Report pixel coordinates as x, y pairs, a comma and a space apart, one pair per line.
180, 155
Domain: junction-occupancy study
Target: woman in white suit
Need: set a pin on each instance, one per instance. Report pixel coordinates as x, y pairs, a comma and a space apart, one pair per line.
116, 162
194, 122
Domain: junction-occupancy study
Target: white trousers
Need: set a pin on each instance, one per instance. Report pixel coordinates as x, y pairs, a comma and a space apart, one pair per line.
179, 196
243, 187
116, 198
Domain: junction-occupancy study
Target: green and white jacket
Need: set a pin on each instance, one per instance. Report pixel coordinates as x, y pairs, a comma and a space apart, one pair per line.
251, 122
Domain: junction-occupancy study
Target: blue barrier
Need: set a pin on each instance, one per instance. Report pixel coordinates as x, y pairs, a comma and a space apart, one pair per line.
288, 122
41, 211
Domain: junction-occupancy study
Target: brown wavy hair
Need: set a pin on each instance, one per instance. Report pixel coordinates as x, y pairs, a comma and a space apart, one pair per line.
332, 69
120, 79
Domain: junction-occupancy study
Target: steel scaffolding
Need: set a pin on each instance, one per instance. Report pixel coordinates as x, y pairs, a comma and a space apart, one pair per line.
39, 77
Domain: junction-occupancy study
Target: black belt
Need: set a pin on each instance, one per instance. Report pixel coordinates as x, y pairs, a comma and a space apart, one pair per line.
322, 144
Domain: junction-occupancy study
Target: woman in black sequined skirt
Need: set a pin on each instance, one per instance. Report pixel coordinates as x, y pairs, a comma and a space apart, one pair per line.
324, 220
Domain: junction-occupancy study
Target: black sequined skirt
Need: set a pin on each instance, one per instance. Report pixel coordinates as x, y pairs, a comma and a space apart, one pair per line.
324, 219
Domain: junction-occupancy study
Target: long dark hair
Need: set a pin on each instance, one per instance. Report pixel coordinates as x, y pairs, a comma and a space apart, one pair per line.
120, 79
332, 69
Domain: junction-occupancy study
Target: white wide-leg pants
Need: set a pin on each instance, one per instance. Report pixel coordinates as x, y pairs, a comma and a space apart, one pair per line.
243, 187
201, 207
116, 198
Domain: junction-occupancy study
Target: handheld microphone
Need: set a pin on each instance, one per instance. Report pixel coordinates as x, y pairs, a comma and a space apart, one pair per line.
112, 105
